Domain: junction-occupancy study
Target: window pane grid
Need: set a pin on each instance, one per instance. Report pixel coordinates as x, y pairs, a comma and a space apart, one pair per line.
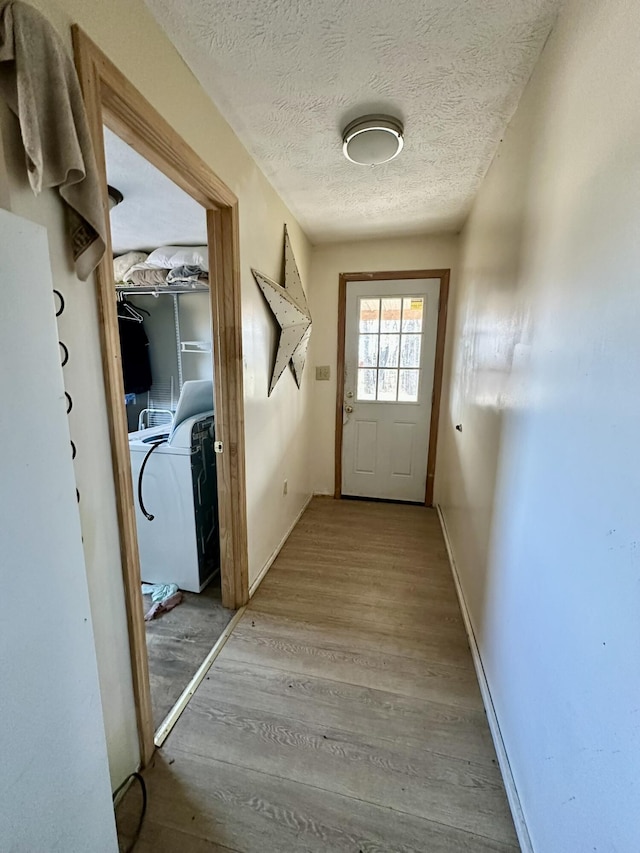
389, 349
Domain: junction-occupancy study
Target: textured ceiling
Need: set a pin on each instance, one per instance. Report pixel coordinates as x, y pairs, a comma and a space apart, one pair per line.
155, 211
289, 74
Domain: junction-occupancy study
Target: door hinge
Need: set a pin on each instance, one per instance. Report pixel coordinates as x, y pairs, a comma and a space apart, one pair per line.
218, 447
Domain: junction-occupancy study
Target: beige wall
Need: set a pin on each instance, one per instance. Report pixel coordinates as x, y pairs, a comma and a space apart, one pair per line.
276, 428
328, 261
540, 490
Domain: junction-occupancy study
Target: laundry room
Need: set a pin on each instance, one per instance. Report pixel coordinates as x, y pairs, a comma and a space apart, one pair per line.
163, 300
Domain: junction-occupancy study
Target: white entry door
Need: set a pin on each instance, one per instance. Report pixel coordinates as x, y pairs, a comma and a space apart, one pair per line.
390, 347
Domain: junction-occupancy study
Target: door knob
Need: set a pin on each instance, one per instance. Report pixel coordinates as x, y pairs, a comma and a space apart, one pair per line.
348, 409
349, 394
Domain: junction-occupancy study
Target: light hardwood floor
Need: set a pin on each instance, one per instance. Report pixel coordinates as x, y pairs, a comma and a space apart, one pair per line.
178, 642
343, 714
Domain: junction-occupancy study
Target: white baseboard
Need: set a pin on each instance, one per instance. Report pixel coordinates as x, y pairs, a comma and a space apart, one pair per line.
494, 726
256, 583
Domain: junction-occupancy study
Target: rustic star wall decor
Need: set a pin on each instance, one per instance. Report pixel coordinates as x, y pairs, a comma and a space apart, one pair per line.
289, 306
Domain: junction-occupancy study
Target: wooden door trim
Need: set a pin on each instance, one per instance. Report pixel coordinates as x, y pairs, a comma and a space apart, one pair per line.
112, 100
443, 275
438, 372
342, 327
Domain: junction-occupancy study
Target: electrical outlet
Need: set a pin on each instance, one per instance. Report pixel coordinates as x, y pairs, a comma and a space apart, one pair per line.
285, 487
323, 372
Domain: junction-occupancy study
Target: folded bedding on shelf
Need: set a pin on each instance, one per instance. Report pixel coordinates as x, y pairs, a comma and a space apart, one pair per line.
172, 257
147, 277
123, 263
184, 265
187, 275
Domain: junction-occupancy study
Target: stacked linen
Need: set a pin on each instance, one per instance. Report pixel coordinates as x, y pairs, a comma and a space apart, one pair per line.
132, 269
123, 263
185, 265
180, 264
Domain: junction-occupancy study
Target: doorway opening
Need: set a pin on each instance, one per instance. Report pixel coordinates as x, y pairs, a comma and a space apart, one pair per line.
113, 102
391, 335
161, 274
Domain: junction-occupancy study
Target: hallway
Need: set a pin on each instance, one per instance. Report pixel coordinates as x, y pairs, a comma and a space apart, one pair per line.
343, 714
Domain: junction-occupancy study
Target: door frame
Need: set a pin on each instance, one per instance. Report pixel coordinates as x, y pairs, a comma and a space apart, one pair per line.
344, 278
111, 100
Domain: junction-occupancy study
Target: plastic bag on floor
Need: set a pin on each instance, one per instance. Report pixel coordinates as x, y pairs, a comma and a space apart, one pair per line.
159, 591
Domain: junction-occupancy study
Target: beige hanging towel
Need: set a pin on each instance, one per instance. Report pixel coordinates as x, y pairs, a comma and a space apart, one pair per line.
39, 82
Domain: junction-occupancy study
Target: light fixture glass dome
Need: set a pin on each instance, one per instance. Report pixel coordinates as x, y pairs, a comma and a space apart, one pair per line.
372, 140
115, 196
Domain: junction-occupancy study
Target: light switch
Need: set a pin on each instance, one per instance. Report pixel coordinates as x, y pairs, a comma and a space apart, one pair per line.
323, 373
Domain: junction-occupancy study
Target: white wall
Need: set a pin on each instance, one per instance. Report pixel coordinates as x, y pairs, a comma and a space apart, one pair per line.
54, 787
276, 429
541, 489
195, 325
328, 261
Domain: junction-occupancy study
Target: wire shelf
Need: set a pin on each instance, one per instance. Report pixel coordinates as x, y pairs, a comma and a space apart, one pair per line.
160, 289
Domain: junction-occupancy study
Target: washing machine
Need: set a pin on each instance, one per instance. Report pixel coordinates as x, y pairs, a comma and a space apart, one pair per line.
174, 482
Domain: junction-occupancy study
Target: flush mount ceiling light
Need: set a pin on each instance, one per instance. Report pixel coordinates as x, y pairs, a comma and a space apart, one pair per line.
372, 140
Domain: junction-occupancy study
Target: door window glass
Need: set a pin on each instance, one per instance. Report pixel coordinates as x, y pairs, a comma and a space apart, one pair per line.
387, 385
412, 314
410, 356
408, 390
368, 350
367, 384
389, 348
369, 315
390, 320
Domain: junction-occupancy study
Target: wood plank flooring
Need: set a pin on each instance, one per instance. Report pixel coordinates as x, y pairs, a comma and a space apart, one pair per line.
343, 714
178, 642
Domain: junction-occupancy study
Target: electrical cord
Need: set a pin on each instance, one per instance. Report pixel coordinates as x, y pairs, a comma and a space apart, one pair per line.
143, 787
154, 446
